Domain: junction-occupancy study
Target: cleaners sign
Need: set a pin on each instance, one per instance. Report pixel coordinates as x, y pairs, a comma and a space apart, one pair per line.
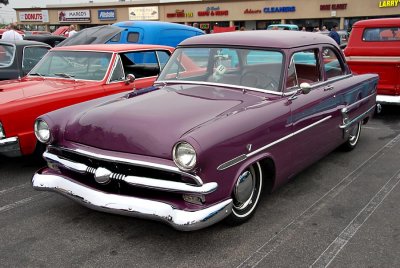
107, 14
74, 16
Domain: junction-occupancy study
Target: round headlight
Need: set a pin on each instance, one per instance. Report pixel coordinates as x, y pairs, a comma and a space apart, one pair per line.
42, 131
184, 156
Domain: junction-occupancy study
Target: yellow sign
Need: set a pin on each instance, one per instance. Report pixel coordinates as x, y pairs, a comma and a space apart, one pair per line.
391, 3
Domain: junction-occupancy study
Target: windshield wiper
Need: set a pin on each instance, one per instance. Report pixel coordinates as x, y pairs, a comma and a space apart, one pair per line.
64, 75
38, 74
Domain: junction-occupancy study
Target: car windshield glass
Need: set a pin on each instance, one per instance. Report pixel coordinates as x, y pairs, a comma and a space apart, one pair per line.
6, 54
83, 65
254, 68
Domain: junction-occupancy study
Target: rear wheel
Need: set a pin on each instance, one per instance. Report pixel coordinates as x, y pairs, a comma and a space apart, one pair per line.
354, 136
246, 194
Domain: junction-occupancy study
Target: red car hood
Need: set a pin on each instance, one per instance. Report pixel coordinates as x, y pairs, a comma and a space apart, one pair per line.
152, 123
13, 90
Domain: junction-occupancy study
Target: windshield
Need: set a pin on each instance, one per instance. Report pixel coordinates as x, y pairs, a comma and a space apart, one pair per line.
74, 65
6, 54
261, 69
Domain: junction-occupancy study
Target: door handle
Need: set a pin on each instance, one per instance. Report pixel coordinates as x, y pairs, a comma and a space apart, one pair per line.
330, 87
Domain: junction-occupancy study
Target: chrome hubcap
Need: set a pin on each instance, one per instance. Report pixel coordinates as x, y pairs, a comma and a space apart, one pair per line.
354, 133
244, 189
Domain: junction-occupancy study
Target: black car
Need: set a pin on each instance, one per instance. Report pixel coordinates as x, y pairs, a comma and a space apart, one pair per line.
52, 40
17, 58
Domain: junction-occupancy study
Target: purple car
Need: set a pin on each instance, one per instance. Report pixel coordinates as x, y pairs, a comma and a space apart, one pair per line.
231, 116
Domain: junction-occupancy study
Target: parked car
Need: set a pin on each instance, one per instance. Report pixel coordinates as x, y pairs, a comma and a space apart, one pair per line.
291, 27
69, 75
210, 136
52, 40
134, 32
374, 47
17, 58
37, 33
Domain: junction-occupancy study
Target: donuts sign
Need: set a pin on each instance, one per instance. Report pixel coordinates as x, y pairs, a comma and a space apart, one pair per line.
35, 16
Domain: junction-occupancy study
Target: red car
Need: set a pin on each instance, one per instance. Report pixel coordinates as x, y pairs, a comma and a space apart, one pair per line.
69, 75
374, 47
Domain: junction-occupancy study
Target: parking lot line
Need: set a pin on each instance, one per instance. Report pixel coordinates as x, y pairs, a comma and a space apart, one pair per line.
344, 237
290, 229
20, 202
14, 188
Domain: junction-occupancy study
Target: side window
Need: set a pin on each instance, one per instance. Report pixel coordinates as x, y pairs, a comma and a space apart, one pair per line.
118, 73
163, 57
140, 64
133, 37
32, 55
333, 66
303, 68
116, 38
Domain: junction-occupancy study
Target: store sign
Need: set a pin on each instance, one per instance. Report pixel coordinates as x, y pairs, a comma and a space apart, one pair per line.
180, 13
333, 7
279, 9
213, 11
143, 13
74, 15
383, 4
106, 14
252, 11
37, 16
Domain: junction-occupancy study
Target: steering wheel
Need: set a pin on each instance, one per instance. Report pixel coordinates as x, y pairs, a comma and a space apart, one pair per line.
259, 80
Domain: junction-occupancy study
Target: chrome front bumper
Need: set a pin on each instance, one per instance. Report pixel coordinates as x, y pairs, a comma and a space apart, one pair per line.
131, 206
388, 99
10, 147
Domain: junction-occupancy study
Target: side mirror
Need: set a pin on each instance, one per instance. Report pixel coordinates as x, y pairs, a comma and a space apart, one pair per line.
305, 88
130, 78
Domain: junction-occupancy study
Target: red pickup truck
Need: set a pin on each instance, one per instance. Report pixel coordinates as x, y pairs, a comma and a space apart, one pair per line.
374, 47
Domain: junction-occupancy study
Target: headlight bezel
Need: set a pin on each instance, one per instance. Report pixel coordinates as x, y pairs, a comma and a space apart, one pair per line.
176, 158
41, 123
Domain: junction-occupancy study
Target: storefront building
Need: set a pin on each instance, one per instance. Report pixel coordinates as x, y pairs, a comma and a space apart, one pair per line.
208, 14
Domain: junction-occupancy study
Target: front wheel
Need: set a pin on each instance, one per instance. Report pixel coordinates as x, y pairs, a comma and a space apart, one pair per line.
246, 194
354, 136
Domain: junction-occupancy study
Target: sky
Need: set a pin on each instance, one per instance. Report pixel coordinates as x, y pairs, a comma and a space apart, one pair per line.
7, 13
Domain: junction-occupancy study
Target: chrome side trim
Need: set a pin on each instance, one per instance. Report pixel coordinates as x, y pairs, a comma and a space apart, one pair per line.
140, 163
241, 158
349, 123
166, 82
144, 182
387, 99
348, 107
132, 206
373, 59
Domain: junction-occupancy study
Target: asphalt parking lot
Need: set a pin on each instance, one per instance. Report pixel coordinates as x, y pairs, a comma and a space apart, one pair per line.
340, 212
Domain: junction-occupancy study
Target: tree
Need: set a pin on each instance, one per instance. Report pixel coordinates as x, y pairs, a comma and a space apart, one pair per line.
5, 2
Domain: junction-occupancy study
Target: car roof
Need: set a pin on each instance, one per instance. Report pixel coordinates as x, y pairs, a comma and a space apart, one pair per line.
112, 47
158, 24
388, 22
260, 38
23, 43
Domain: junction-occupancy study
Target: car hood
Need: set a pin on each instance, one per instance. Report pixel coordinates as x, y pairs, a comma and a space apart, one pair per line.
92, 35
13, 90
150, 124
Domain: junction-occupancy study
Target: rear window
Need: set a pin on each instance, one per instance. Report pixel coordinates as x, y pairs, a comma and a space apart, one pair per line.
133, 37
382, 34
6, 55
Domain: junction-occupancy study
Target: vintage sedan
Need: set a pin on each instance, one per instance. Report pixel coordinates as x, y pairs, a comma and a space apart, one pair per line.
69, 75
374, 47
251, 110
17, 58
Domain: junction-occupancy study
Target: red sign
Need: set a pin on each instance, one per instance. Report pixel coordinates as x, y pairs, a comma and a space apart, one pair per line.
252, 11
213, 13
333, 7
180, 14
